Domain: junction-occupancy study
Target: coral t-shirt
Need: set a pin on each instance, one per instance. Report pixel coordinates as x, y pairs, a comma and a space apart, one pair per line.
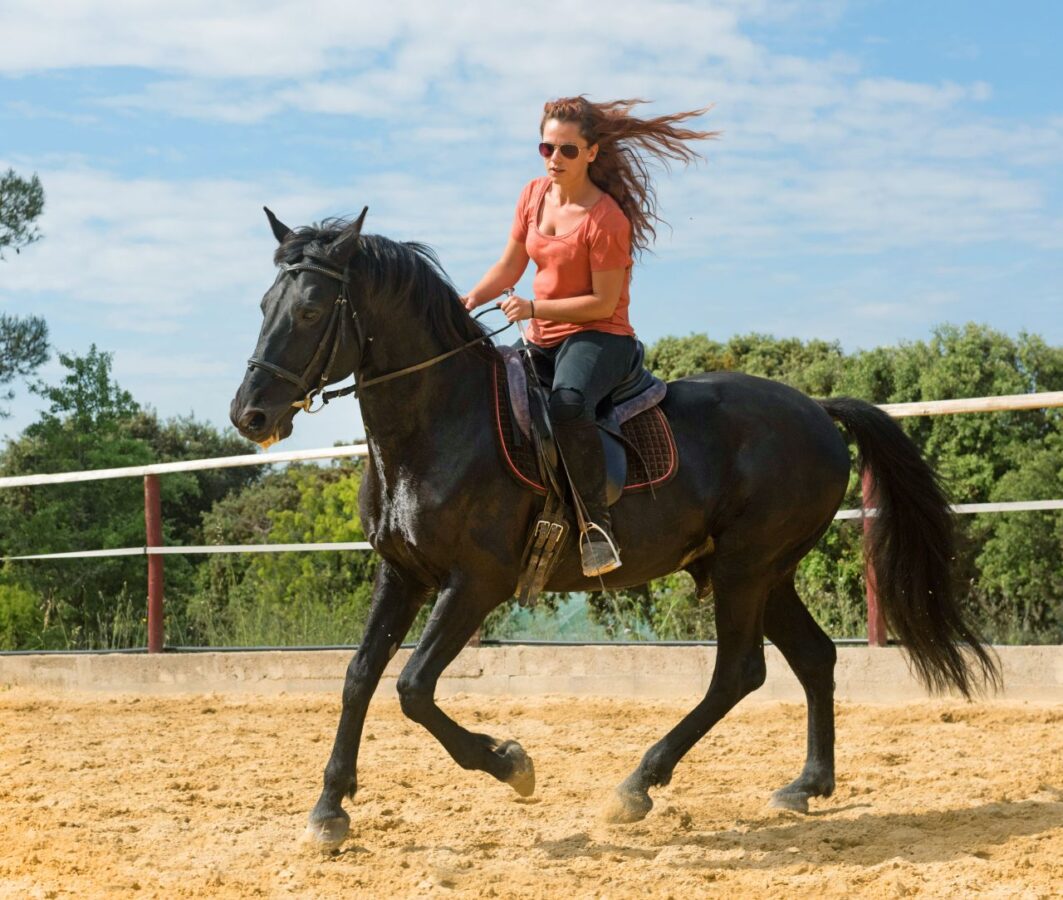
564, 262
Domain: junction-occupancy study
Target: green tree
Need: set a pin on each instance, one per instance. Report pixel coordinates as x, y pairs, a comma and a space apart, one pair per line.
80, 429
92, 423
21, 204
1020, 560
23, 350
813, 367
23, 340
188, 495
21, 622
979, 456
320, 597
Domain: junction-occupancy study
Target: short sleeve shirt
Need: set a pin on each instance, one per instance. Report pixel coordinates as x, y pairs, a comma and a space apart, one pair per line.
564, 262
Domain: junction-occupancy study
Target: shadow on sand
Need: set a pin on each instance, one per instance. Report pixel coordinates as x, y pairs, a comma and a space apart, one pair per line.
868, 839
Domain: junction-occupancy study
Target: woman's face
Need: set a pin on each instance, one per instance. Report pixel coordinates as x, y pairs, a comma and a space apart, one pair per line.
558, 166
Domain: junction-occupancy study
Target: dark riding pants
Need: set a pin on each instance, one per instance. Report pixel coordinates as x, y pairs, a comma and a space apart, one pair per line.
582, 371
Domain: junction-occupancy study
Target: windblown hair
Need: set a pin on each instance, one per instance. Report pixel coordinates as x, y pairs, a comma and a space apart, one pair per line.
388, 268
624, 145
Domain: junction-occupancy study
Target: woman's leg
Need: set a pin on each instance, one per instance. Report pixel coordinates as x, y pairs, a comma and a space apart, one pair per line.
587, 367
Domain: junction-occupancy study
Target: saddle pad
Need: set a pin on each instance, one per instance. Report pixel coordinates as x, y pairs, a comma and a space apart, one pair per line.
649, 431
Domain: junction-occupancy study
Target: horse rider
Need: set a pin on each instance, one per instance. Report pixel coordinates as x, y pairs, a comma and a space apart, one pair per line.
580, 224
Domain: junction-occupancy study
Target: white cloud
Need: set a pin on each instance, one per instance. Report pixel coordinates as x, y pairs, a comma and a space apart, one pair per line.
818, 159
204, 39
147, 244
195, 37
181, 366
891, 91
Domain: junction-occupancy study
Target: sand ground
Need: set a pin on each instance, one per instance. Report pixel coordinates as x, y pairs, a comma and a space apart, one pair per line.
207, 795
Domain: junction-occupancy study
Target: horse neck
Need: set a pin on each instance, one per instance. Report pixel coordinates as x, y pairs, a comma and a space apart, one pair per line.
431, 413
397, 315
412, 411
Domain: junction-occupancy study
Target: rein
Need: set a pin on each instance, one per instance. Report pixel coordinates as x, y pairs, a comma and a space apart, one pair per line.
334, 332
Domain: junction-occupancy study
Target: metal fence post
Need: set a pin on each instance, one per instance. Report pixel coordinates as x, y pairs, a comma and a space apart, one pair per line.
153, 527
876, 621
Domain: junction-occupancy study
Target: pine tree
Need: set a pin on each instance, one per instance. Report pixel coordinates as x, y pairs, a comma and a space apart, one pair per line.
23, 339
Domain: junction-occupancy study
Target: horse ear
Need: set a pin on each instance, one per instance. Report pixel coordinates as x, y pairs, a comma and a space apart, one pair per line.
280, 230
342, 249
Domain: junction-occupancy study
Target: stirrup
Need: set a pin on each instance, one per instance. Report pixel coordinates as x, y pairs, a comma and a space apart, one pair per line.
598, 557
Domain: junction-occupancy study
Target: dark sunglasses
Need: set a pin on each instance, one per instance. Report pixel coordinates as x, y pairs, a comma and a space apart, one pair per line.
569, 151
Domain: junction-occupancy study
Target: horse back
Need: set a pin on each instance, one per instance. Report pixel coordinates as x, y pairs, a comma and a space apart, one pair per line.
752, 444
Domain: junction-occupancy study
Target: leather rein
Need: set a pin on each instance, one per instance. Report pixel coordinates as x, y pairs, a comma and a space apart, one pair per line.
334, 333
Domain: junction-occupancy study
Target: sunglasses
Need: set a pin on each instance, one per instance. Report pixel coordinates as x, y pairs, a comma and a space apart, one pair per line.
569, 151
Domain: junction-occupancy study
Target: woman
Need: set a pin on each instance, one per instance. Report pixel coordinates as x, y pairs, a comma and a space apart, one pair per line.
580, 224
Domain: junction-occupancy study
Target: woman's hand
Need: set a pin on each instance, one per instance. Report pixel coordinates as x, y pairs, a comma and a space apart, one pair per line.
469, 303
517, 308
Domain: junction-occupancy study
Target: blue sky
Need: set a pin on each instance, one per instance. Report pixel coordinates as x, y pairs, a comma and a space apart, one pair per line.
885, 166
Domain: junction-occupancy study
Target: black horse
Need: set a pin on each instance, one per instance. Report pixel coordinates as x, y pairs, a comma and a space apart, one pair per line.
763, 470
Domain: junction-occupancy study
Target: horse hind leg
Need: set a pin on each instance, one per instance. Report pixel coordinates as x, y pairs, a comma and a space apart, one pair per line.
458, 612
811, 655
740, 670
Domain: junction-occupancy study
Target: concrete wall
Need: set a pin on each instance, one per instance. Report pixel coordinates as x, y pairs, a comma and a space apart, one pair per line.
863, 674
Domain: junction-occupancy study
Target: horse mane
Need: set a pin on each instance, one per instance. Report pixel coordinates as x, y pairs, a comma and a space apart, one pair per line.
406, 268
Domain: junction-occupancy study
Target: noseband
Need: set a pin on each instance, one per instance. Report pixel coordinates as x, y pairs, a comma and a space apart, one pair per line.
334, 334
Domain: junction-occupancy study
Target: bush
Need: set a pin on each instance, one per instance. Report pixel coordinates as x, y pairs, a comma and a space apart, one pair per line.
21, 618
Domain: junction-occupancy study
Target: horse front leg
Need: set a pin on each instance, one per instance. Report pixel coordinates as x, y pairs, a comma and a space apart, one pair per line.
459, 611
396, 599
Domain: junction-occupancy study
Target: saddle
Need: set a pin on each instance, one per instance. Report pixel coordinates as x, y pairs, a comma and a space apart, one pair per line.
640, 451
639, 448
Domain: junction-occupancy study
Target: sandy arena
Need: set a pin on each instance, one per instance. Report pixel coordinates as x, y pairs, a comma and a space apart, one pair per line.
206, 796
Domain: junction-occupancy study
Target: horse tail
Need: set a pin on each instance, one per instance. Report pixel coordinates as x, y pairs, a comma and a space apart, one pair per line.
911, 546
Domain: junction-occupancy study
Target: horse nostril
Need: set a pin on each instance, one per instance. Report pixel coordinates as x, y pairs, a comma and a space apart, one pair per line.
253, 421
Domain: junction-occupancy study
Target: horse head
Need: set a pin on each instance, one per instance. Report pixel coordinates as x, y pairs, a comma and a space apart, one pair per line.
308, 337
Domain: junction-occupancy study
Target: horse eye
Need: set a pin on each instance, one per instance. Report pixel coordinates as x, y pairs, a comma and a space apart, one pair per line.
309, 315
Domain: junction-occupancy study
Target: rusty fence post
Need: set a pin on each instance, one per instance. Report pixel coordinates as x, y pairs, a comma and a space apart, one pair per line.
876, 622
153, 527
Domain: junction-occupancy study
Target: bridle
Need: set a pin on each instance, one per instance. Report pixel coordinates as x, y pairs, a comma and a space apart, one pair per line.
334, 333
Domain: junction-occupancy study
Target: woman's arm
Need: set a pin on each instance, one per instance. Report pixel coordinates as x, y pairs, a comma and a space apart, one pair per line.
599, 304
503, 274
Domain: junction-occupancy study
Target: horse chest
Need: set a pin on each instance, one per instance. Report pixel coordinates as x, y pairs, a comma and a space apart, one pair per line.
401, 511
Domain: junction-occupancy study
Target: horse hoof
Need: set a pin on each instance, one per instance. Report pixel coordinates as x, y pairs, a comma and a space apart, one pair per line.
522, 772
627, 806
327, 834
793, 802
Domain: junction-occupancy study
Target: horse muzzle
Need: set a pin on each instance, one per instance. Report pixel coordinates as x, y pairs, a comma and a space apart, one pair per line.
256, 424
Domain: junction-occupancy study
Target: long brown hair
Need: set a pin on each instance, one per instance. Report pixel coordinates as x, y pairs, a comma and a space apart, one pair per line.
624, 143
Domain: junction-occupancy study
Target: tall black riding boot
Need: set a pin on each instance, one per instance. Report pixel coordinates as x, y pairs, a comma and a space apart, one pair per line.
581, 448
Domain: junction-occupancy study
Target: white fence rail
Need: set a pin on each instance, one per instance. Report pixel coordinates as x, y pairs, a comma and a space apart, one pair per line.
188, 465
193, 549
1011, 402
154, 550
1007, 403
